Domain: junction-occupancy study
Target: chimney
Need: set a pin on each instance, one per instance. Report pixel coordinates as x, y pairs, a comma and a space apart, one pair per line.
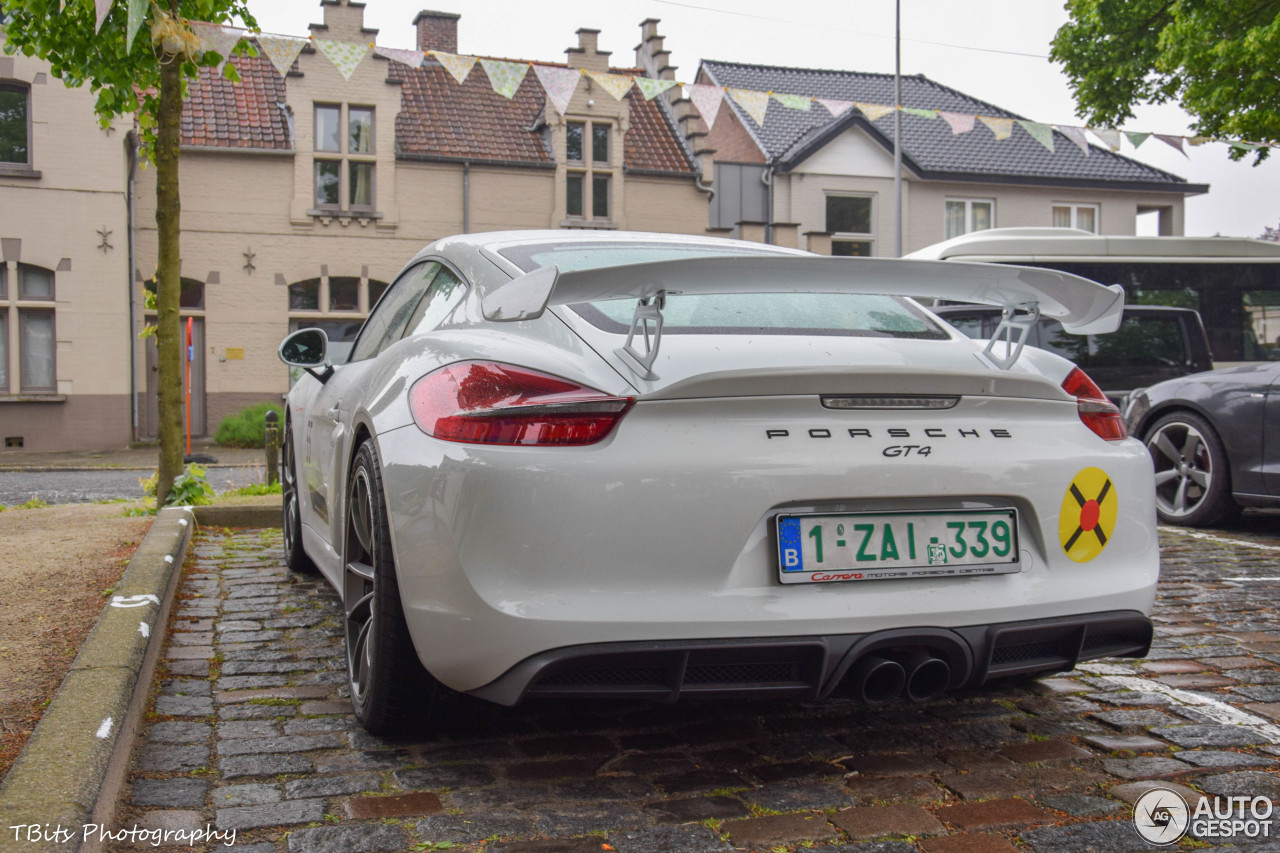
437, 31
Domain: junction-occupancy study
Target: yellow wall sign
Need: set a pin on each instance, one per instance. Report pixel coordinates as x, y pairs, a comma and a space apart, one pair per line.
1087, 519
235, 353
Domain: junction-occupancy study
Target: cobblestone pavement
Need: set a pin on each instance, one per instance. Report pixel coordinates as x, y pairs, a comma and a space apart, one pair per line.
251, 732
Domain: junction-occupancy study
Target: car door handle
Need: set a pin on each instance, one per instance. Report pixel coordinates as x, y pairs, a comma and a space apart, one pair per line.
333, 412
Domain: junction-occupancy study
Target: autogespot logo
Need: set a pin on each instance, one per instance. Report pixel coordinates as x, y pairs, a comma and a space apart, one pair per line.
1161, 816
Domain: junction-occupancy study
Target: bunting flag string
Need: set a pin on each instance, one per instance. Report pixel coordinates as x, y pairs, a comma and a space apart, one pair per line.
505, 77
456, 64
616, 85
559, 84
707, 99
281, 50
650, 87
412, 58
755, 103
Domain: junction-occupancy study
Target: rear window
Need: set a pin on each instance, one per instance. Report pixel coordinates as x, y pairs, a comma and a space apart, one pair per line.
851, 314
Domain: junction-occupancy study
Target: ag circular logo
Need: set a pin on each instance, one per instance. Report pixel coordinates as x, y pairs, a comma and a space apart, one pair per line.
1088, 515
1161, 816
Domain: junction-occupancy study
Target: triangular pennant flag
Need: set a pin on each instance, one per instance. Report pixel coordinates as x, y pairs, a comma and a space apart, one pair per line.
1041, 133
281, 50
412, 58
1075, 134
1197, 141
217, 38
1000, 127
922, 113
1244, 146
1110, 137
1173, 142
137, 16
505, 77
755, 103
834, 107
103, 8
615, 84
707, 99
651, 88
345, 56
960, 123
874, 111
794, 102
456, 64
559, 83
1136, 139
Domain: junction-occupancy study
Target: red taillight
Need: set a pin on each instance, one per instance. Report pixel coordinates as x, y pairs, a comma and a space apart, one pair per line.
1096, 411
486, 402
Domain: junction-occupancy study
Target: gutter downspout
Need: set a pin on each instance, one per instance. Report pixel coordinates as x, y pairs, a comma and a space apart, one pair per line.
132, 146
466, 196
767, 177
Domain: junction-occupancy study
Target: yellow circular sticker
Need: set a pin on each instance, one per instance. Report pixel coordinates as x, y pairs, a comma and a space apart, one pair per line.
1088, 516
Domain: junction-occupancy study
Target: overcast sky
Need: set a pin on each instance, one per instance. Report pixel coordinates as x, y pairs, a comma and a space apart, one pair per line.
995, 50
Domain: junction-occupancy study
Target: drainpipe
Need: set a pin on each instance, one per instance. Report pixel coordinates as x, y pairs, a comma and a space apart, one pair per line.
132, 142
767, 177
466, 196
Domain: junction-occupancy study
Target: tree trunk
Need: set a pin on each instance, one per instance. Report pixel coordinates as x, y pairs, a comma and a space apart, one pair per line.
169, 340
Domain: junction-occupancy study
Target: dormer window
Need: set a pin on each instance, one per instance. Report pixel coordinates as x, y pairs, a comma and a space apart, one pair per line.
587, 180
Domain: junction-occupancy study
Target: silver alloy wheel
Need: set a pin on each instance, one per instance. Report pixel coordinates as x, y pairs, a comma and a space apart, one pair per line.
1184, 468
289, 489
358, 587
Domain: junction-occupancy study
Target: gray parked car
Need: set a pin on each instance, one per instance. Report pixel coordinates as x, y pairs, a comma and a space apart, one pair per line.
1215, 440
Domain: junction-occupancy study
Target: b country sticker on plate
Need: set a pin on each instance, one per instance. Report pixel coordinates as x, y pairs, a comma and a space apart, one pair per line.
1088, 515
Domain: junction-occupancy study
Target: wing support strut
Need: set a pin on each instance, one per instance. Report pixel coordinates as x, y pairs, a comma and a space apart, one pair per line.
647, 321
1013, 331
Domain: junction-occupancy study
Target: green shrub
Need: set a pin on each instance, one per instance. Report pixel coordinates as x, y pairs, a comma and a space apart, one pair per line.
247, 428
190, 488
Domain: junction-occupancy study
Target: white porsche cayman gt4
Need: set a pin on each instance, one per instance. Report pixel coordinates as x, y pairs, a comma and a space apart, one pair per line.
603, 464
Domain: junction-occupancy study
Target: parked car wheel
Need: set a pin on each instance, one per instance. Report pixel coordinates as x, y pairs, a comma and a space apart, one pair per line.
1193, 479
390, 690
294, 556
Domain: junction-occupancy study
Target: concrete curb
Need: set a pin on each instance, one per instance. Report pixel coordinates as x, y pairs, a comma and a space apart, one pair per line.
70, 773
243, 515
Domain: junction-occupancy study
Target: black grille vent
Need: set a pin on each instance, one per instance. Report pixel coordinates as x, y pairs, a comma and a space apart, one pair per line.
742, 673
1023, 652
612, 676
1093, 642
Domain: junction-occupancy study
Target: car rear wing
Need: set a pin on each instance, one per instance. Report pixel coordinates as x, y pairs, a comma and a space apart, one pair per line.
1082, 306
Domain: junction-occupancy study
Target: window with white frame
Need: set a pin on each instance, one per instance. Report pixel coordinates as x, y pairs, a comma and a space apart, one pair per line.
850, 220
589, 178
969, 214
1082, 216
344, 158
28, 342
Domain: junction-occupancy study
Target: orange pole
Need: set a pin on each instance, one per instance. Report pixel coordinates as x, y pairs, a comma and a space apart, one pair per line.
189, 320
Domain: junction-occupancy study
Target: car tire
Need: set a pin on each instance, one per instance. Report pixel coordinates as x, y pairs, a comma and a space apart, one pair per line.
294, 555
391, 692
1193, 475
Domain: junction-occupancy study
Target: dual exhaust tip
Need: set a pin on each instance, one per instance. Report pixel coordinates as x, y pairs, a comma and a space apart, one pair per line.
918, 674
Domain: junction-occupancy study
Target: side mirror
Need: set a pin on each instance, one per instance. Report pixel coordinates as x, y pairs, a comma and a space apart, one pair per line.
308, 349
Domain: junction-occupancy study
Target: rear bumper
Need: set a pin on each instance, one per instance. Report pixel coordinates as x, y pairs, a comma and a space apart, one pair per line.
814, 667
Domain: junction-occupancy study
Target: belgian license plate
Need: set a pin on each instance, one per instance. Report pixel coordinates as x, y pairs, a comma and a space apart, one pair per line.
876, 546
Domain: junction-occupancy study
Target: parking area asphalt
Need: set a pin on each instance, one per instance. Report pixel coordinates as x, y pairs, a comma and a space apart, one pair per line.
249, 732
